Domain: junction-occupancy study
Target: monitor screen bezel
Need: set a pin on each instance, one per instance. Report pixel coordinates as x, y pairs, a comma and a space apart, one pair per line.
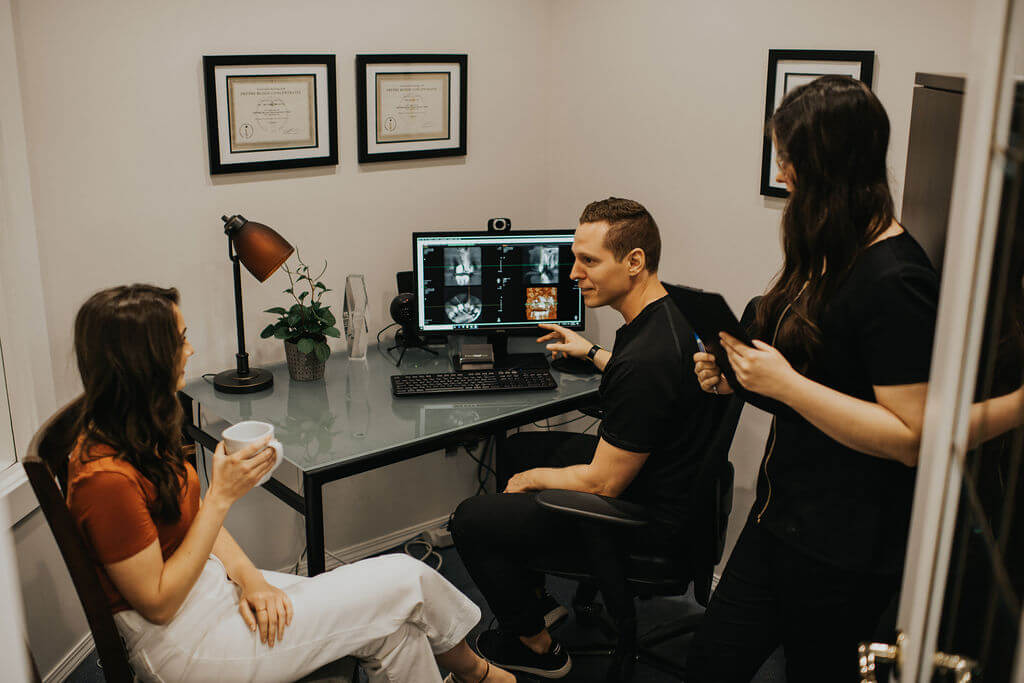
524, 330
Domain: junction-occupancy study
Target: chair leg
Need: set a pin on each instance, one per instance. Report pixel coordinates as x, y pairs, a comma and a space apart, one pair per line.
660, 634
663, 664
673, 629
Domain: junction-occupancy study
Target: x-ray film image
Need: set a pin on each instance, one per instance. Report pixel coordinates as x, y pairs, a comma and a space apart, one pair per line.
543, 268
541, 303
462, 266
463, 307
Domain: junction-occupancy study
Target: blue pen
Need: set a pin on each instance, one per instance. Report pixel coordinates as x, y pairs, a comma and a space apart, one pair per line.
703, 349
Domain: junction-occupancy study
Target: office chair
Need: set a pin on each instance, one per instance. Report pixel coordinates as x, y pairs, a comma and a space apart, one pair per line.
52, 444
622, 577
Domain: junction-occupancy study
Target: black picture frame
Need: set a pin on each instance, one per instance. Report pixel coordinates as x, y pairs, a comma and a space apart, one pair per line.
808, 61
224, 158
438, 146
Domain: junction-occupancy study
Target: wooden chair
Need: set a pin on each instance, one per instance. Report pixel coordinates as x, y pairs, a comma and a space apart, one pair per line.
46, 468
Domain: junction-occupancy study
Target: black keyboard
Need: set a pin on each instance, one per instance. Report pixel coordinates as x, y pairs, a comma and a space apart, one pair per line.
516, 379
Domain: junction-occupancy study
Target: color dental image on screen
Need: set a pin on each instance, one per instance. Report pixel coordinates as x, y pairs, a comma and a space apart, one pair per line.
492, 282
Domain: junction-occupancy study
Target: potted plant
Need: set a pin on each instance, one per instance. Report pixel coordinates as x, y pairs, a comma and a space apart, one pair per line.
304, 326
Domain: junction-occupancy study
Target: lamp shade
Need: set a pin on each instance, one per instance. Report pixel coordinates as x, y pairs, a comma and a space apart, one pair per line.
259, 247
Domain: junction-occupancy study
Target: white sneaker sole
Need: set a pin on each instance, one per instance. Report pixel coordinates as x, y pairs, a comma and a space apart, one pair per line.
555, 616
540, 673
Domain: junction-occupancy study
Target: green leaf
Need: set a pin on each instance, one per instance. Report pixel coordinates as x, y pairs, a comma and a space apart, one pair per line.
323, 351
332, 332
320, 285
282, 333
303, 296
293, 319
297, 309
276, 310
327, 316
268, 331
289, 291
306, 345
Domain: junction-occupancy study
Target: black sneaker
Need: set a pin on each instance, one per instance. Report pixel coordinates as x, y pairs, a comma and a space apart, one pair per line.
508, 652
554, 613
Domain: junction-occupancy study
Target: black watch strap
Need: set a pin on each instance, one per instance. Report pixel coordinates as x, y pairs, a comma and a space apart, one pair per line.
592, 353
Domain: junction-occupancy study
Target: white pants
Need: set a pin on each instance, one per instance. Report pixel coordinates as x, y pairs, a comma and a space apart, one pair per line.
394, 613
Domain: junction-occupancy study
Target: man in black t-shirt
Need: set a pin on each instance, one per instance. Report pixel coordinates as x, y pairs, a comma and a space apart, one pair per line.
656, 426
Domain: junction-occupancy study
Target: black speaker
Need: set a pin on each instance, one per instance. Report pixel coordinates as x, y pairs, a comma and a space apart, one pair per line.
403, 312
406, 281
499, 225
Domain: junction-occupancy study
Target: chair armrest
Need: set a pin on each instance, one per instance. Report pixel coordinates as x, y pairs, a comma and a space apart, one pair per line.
594, 507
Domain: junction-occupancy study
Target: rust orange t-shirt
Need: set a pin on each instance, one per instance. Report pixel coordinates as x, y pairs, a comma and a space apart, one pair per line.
111, 501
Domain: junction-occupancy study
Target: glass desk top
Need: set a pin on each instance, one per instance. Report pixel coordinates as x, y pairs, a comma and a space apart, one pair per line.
351, 414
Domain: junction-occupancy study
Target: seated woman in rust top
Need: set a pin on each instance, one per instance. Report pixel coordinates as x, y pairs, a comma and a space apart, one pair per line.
189, 603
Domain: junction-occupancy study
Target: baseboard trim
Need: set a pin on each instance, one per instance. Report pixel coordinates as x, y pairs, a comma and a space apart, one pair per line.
373, 546
71, 661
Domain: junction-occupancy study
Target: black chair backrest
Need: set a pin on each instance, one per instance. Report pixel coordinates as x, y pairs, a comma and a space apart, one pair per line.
712, 497
52, 444
713, 486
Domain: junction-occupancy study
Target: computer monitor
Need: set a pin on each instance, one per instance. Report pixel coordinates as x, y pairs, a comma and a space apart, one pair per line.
480, 282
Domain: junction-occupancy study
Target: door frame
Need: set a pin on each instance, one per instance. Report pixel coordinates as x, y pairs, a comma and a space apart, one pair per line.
970, 244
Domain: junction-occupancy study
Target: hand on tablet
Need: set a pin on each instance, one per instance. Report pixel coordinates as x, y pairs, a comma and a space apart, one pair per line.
709, 375
761, 369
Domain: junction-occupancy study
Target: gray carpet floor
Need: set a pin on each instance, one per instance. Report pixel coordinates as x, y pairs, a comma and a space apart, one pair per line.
585, 670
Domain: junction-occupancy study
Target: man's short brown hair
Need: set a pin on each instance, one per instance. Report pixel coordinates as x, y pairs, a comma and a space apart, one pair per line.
630, 227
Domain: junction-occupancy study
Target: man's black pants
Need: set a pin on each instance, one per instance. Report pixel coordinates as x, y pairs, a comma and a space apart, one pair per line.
772, 594
500, 536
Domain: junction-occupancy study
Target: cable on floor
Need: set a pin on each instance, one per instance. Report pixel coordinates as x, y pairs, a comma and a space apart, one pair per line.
430, 552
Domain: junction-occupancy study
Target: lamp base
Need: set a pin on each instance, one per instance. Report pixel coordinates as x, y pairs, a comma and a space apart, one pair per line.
230, 382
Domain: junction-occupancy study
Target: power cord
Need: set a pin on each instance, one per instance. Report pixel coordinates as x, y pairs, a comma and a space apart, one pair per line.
380, 348
430, 552
548, 424
483, 467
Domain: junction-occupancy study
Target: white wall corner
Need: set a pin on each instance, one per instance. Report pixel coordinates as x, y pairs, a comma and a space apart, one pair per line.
23, 326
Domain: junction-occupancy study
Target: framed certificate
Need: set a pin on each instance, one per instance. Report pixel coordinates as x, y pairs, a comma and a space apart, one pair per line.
411, 106
266, 112
789, 69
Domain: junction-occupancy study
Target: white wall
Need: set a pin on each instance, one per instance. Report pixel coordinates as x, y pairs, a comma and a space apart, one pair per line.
663, 102
569, 101
113, 107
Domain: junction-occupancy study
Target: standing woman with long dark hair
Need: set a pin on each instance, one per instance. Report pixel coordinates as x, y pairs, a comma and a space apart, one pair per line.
843, 343
187, 600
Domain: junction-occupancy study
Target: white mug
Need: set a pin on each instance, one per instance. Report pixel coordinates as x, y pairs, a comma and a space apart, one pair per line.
238, 436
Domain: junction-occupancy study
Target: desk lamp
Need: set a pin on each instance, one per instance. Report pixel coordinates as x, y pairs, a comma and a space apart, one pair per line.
262, 251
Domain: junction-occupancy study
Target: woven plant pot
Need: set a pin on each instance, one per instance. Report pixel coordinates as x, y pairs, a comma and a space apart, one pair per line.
303, 367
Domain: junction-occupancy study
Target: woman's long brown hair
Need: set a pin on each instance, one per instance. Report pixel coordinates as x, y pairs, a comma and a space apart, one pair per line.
129, 348
833, 133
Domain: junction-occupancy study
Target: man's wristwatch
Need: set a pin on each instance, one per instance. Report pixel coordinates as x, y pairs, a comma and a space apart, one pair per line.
592, 353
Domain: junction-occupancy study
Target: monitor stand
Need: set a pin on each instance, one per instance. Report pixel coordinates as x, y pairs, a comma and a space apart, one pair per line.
504, 360
573, 366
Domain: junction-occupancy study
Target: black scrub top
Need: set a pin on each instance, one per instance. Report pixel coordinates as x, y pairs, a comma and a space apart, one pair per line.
652, 403
842, 506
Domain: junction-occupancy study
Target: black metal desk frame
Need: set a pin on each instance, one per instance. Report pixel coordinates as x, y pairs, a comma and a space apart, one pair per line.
310, 503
